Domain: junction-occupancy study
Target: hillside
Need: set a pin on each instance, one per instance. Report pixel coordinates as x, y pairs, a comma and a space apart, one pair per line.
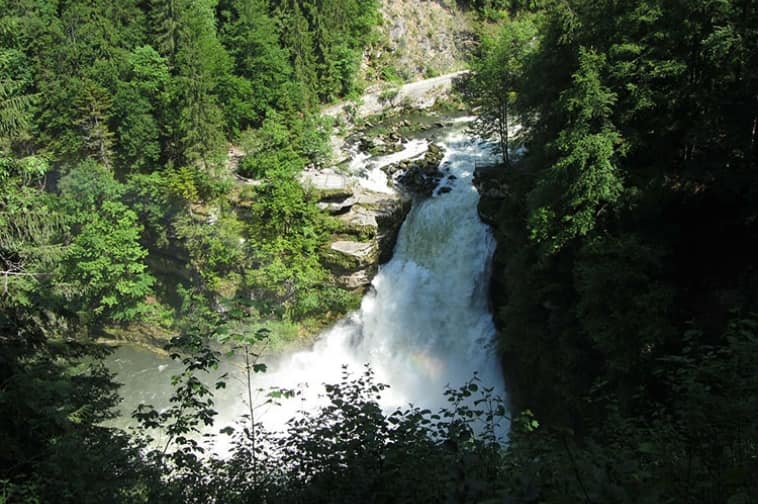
419, 39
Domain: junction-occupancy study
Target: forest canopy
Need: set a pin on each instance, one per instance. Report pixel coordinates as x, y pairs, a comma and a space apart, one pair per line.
624, 286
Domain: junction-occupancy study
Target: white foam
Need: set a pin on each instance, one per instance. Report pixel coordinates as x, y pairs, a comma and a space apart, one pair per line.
426, 324
368, 170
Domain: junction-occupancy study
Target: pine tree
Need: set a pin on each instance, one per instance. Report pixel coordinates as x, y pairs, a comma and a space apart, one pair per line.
201, 62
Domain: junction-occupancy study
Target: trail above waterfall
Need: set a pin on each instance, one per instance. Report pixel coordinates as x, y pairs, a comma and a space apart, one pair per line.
418, 95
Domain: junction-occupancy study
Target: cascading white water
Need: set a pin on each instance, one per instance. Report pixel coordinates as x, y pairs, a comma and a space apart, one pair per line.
424, 325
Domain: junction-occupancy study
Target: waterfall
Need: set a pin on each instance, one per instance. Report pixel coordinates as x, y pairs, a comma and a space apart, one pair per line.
424, 324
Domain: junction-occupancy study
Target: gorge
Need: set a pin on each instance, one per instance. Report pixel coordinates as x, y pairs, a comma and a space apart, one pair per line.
423, 325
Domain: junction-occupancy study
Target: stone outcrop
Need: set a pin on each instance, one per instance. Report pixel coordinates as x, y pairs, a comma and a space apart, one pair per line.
492, 191
420, 176
420, 38
383, 213
353, 260
369, 223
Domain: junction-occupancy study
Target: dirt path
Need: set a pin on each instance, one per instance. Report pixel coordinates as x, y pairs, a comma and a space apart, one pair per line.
418, 95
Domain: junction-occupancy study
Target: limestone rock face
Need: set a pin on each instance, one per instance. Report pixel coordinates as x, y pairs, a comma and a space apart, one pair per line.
359, 252
369, 223
492, 191
389, 215
357, 280
327, 183
353, 263
420, 38
337, 206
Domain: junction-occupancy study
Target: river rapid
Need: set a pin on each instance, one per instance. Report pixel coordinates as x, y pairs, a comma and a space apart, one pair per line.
424, 325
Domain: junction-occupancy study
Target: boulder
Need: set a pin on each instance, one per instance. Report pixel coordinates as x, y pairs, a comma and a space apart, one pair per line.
389, 214
360, 220
419, 181
359, 251
382, 148
365, 144
421, 175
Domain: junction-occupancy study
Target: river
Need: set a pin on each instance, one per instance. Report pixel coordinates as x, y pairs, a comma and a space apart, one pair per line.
424, 325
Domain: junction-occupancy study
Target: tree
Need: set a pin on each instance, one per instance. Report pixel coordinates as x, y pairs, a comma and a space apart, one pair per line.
201, 63
571, 193
104, 266
498, 75
30, 228
93, 105
55, 391
250, 37
56, 394
140, 109
165, 21
15, 104
285, 238
103, 269
295, 35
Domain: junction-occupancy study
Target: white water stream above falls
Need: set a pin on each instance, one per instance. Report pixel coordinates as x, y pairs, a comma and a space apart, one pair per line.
424, 325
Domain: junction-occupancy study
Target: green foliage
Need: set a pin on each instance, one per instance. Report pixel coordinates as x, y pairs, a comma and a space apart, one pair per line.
347, 451
250, 37
285, 238
201, 62
104, 265
86, 187
625, 325
191, 185
498, 75
15, 105
624, 287
214, 249
55, 394
102, 270
584, 177
140, 107
150, 197
617, 290
326, 39
113, 120
30, 228
192, 407
496, 10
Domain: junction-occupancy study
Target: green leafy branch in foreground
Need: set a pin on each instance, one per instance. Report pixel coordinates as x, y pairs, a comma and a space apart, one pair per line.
351, 450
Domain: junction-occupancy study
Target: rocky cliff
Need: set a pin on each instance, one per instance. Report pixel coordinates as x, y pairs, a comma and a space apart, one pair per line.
368, 224
419, 39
